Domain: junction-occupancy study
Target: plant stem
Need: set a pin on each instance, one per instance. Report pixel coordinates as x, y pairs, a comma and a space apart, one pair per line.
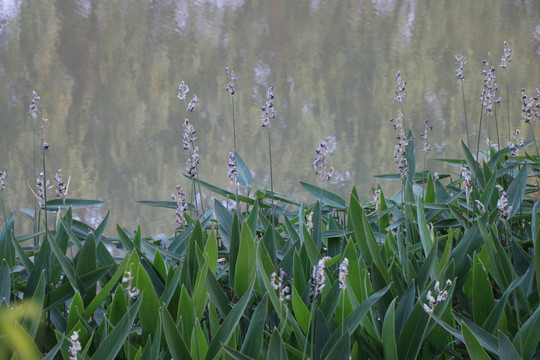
271, 176
234, 149
465, 114
479, 132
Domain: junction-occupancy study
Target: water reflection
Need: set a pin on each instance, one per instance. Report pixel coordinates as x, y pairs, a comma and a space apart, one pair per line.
108, 72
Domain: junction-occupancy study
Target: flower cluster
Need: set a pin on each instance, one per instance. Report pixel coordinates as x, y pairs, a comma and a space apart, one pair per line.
506, 58
128, 279
33, 108
467, 181
192, 104
181, 205
427, 129
489, 92
441, 296
343, 272
61, 188
183, 90
309, 222
268, 111
277, 285
377, 198
462, 61
232, 173
400, 149
318, 277
399, 93
321, 160
188, 140
3, 177
514, 146
530, 106
230, 85
75, 345
42, 187
502, 204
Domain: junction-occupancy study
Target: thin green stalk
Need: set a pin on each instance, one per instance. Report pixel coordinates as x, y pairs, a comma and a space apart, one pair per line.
534, 137
507, 105
271, 176
465, 114
311, 328
234, 149
479, 132
497, 128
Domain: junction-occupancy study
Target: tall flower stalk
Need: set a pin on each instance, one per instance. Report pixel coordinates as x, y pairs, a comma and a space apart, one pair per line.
488, 99
267, 115
231, 90
3, 177
505, 60
462, 61
188, 141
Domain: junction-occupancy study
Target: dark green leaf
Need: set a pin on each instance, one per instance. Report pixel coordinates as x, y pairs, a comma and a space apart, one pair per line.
326, 197
244, 175
57, 204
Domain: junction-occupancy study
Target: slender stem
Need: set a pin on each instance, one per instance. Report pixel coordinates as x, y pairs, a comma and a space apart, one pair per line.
497, 128
465, 114
507, 105
479, 132
534, 137
271, 176
234, 149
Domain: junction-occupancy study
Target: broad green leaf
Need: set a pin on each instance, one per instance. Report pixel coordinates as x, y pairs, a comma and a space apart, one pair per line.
58, 204
7, 251
199, 347
68, 269
150, 304
527, 338
76, 310
228, 326
163, 204
482, 294
473, 166
342, 349
301, 311
507, 351
106, 290
425, 236
113, 342
326, 197
253, 342
175, 342
354, 319
516, 190
276, 349
235, 354
246, 262
244, 175
31, 321
389, 333
220, 191
5, 282
18, 339
492, 321
170, 288
217, 296
474, 349
211, 250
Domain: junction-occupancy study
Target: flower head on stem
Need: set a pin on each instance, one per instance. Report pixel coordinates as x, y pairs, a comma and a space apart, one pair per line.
502, 205
343, 272
232, 80
324, 149
3, 177
506, 58
461, 61
318, 276
75, 345
268, 111
181, 205
439, 296
232, 173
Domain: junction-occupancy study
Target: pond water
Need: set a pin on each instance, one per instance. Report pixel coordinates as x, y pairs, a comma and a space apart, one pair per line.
108, 72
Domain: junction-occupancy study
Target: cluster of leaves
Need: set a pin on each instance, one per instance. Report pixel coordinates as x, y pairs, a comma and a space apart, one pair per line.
211, 290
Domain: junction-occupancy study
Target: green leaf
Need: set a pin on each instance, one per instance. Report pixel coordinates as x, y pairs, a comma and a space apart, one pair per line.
30, 321
220, 191
150, 304
473, 166
507, 351
113, 342
389, 333
253, 342
482, 294
228, 326
244, 175
326, 197
106, 290
245, 263
175, 342
235, 354
76, 310
354, 319
7, 251
474, 349
516, 190
342, 349
65, 263
528, 336
492, 321
301, 311
58, 204
162, 204
5, 282
276, 349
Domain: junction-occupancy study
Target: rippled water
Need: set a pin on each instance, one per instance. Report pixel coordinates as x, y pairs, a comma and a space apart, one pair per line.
108, 72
